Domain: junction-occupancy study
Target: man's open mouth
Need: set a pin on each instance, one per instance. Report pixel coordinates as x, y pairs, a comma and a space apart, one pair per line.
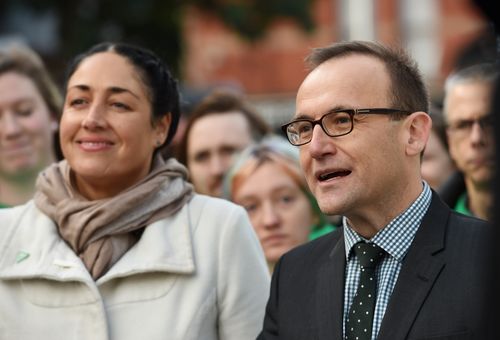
334, 174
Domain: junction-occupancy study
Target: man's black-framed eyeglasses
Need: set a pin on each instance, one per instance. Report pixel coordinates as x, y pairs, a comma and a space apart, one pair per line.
335, 123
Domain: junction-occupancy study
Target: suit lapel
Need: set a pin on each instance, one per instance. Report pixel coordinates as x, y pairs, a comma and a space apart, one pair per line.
420, 269
330, 295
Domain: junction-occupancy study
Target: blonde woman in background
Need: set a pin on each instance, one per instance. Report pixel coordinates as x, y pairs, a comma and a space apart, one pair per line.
29, 109
267, 181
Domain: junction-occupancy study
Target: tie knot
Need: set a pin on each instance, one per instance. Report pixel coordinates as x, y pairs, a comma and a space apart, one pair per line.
368, 254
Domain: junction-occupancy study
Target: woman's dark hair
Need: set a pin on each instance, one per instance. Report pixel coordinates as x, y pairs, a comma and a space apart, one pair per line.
155, 74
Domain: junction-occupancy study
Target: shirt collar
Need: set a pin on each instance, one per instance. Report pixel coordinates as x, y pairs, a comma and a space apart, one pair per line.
396, 237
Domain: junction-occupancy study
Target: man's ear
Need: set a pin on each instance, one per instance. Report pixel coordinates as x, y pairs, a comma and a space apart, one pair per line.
418, 126
161, 128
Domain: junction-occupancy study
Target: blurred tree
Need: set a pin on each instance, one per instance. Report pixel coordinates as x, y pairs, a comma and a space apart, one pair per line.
251, 18
83, 23
61, 29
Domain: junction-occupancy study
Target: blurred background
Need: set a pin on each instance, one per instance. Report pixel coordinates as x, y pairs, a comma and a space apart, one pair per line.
254, 47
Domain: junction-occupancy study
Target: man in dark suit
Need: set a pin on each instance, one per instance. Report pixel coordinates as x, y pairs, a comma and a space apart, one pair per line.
361, 124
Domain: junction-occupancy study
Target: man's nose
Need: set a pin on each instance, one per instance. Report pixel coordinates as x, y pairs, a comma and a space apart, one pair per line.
477, 133
320, 143
217, 165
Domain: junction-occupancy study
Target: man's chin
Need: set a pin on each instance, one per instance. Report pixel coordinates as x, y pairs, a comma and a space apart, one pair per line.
483, 185
330, 207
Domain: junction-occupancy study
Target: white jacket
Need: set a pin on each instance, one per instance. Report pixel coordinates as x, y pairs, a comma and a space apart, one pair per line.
200, 274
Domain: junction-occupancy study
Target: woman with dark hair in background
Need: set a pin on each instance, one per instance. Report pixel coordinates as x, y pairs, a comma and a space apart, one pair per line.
30, 104
115, 244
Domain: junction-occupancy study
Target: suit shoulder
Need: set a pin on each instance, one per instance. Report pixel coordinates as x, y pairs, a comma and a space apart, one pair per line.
458, 220
455, 223
470, 232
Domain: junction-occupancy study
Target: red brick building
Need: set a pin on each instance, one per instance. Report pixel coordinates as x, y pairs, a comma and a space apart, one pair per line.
270, 70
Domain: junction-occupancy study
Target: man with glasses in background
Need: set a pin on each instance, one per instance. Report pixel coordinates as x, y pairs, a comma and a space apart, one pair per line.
467, 104
404, 265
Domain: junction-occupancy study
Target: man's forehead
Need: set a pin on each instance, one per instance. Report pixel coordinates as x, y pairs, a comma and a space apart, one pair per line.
220, 147
342, 83
222, 131
221, 125
466, 109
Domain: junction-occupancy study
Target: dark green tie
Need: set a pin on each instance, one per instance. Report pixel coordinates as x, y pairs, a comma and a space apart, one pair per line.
360, 318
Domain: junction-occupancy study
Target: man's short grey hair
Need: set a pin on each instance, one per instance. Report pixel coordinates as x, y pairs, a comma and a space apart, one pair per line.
483, 72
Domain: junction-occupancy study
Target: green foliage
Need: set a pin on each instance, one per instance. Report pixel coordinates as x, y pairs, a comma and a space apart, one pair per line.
155, 24
251, 18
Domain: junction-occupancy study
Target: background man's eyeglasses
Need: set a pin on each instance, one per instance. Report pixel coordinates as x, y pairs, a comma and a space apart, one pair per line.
462, 128
334, 123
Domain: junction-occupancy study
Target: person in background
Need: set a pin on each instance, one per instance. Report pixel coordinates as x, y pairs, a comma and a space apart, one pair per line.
266, 179
115, 244
219, 127
437, 165
467, 106
30, 105
488, 9
404, 265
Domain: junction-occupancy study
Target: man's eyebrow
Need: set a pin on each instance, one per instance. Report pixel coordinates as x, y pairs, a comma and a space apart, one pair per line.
201, 153
300, 116
308, 117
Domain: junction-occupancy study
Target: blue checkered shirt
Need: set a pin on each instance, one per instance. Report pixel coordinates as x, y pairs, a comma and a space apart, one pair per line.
395, 239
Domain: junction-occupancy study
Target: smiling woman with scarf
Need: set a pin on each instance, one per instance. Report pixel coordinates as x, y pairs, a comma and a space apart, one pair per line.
115, 244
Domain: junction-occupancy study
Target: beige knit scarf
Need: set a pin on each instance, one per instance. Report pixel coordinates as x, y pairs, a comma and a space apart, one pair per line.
101, 231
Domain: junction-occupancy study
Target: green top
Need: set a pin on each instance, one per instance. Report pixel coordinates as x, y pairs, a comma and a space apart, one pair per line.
320, 231
3, 206
461, 205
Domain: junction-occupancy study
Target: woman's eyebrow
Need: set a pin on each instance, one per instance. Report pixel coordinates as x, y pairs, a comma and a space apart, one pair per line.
112, 89
116, 89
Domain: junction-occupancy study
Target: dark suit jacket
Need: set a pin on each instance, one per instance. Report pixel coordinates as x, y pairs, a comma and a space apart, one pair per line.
441, 291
